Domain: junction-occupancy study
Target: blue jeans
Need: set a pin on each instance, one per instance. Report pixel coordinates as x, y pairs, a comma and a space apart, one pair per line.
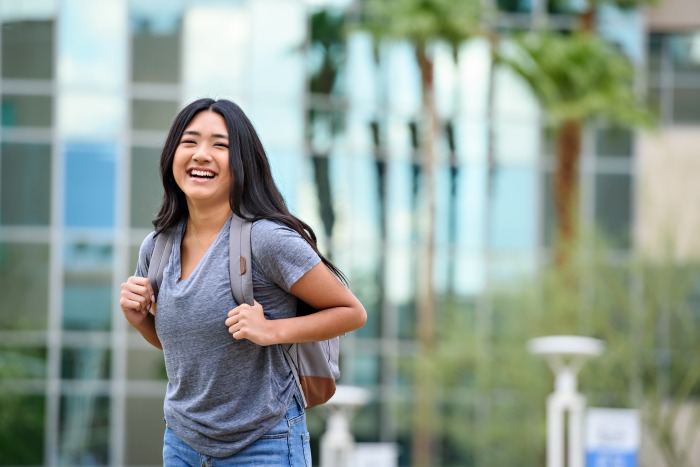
286, 444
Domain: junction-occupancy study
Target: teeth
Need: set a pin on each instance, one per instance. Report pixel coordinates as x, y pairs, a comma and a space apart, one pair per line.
202, 173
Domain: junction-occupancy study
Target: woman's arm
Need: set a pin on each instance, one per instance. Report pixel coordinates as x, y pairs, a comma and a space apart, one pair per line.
339, 312
136, 301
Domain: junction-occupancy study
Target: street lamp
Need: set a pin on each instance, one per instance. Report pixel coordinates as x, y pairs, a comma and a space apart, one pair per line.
337, 443
565, 356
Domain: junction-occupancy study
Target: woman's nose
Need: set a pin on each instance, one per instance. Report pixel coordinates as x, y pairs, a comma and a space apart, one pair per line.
201, 155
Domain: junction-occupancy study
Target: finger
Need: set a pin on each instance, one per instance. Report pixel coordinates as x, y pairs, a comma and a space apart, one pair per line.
143, 303
129, 305
135, 289
141, 286
234, 311
233, 330
149, 290
144, 281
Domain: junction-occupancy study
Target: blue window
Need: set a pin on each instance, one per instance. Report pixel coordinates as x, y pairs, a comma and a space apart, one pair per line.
90, 183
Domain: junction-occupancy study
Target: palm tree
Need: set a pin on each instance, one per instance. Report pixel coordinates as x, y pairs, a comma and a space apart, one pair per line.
327, 40
422, 23
575, 78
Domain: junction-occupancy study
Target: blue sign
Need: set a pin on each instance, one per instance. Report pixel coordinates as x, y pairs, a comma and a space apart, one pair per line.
612, 437
611, 459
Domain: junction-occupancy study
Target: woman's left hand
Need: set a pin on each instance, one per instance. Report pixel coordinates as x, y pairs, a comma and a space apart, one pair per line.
249, 322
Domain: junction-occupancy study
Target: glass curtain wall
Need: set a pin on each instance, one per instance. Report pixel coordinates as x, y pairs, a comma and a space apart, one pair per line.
27, 155
88, 90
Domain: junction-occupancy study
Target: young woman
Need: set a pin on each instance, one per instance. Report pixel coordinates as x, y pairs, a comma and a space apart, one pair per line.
231, 397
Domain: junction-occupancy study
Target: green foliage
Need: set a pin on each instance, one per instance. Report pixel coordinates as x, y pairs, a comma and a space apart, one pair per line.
327, 43
492, 392
422, 21
577, 77
21, 415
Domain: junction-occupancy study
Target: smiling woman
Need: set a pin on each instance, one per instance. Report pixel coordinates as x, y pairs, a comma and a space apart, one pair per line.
200, 165
213, 167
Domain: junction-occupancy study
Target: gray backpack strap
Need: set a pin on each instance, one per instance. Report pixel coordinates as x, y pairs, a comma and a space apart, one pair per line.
288, 350
240, 260
241, 272
159, 258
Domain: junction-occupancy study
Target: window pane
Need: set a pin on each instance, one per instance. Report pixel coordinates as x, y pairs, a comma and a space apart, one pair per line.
144, 431
25, 184
90, 185
22, 428
145, 364
513, 204
514, 6
407, 320
91, 44
24, 275
133, 258
654, 54
87, 299
156, 48
23, 363
613, 205
686, 104
27, 49
153, 115
19, 110
84, 430
683, 49
366, 370
146, 187
85, 363
614, 142
657, 99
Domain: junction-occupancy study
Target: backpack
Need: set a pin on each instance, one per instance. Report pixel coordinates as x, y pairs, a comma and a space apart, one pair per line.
315, 365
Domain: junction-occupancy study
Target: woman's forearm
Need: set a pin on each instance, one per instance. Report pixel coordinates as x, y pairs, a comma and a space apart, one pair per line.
147, 328
319, 326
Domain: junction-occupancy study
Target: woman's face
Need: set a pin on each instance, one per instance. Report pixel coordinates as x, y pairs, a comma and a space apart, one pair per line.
200, 165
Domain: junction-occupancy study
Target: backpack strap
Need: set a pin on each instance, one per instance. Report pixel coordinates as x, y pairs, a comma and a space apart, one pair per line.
159, 258
240, 260
241, 272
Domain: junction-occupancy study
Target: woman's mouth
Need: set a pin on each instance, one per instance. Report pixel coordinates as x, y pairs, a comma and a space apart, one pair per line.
202, 174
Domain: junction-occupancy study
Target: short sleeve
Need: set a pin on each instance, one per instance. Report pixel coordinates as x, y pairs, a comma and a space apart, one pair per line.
280, 253
145, 253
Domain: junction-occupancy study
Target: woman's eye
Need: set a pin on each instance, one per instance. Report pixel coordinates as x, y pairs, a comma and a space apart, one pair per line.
222, 145
187, 141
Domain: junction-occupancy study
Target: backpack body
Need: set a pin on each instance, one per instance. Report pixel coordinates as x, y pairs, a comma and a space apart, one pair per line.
315, 365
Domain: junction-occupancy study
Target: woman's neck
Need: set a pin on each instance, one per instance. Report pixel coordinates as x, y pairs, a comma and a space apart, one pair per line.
208, 221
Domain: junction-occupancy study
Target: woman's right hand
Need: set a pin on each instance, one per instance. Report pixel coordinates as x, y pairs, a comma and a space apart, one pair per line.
137, 299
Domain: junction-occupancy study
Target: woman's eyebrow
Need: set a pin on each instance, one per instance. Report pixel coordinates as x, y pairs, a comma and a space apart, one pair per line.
196, 133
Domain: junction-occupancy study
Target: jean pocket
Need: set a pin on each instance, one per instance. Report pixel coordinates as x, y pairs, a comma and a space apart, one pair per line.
279, 431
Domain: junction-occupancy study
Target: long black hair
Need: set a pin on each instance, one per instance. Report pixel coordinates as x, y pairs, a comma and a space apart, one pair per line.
254, 194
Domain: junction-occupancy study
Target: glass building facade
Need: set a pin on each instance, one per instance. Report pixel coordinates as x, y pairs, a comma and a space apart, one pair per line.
88, 90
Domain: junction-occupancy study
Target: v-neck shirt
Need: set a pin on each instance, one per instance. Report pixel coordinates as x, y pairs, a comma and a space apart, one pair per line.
223, 393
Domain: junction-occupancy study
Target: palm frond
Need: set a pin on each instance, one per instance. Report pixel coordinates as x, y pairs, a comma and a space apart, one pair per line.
577, 77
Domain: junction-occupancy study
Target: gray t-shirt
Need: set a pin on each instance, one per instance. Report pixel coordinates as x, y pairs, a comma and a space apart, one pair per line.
223, 394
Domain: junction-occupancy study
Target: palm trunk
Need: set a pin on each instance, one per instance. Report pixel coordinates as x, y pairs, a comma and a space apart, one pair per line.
588, 19
565, 186
425, 386
484, 304
321, 164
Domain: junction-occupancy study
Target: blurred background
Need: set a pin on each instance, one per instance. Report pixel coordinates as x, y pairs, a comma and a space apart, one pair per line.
484, 171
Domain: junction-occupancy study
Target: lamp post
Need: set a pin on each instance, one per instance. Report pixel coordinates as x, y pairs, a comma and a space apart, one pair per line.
337, 442
565, 356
